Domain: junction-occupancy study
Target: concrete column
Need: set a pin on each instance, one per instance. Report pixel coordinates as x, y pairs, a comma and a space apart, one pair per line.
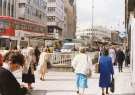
2, 7
11, 2
7, 7
14, 9
132, 52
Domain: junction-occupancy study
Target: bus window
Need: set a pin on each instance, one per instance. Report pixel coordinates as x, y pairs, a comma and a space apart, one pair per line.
4, 24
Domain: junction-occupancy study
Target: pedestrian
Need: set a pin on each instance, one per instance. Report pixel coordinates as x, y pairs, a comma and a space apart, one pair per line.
8, 83
82, 64
43, 60
127, 57
1, 60
105, 70
120, 59
37, 54
28, 68
112, 54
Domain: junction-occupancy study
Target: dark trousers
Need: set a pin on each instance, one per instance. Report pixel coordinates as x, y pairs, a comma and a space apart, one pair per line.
120, 66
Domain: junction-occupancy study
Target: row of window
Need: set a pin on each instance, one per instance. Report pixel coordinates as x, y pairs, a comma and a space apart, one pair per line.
51, 9
51, 18
51, 0
28, 27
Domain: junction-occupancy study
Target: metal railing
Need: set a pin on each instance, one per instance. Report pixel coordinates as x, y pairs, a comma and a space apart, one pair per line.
61, 58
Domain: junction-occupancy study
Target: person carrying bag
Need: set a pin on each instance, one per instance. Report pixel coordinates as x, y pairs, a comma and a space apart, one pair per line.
82, 67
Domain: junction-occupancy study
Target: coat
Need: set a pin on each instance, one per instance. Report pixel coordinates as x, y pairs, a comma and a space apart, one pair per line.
42, 64
30, 60
120, 56
82, 63
112, 54
1, 60
9, 84
105, 70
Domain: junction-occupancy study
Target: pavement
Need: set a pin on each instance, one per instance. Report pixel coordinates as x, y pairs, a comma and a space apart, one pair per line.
63, 83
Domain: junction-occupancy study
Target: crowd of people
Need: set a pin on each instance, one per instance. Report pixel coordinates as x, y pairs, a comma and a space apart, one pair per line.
31, 59
108, 57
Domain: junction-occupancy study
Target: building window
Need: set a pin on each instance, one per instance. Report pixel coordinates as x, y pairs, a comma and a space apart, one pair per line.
51, 0
21, 5
51, 9
51, 18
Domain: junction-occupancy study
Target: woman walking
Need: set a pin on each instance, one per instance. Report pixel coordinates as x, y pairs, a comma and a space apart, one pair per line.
82, 65
28, 68
43, 59
105, 70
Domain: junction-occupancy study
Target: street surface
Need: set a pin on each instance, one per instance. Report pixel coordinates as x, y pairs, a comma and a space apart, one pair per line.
63, 83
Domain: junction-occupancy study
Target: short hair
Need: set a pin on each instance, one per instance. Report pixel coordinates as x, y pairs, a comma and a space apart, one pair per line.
106, 52
14, 57
82, 49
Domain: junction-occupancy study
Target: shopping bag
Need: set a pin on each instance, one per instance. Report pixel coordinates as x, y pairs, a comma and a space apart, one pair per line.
89, 74
112, 88
97, 68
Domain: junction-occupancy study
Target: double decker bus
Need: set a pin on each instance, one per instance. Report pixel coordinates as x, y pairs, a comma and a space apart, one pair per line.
15, 32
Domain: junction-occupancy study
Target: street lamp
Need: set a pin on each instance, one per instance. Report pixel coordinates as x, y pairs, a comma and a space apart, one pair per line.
92, 20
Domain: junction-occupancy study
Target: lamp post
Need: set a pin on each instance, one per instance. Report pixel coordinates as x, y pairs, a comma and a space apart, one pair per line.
92, 20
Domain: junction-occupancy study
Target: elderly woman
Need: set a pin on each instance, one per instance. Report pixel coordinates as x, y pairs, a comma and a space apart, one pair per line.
105, 70
28, 68
8, 83
44, 58
82, 64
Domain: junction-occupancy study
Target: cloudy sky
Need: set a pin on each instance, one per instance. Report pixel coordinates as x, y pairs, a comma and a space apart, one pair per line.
108, 13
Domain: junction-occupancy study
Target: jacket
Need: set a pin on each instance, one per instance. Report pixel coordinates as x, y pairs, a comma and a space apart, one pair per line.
9, 84
82, 63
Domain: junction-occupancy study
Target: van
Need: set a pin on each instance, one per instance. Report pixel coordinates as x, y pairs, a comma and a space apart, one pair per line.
69, 47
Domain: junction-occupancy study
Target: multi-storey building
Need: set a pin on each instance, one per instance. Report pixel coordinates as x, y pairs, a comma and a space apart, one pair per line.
115, 38
55, 17
70, 19
99, 33
7, 7
32, 10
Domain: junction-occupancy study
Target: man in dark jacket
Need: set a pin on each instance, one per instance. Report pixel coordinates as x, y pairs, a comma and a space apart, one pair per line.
1, 60
120, 59
8, 83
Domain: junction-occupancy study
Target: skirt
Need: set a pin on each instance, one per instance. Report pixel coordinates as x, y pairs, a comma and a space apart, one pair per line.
28, 78
81, 81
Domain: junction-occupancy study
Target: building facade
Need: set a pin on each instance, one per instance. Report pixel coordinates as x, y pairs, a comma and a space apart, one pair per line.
55, 17
130, 26
32, 10
7, 8
99, 33
115, 37
70, 19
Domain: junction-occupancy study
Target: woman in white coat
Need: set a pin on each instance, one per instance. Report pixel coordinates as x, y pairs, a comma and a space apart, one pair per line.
28, 68
43, 59
82, 65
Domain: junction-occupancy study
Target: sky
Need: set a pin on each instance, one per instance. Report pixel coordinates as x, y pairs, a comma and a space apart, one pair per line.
107, 13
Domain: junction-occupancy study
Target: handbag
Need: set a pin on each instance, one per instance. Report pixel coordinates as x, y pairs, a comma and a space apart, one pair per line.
112, 88
48, 64
97, 68
89, 74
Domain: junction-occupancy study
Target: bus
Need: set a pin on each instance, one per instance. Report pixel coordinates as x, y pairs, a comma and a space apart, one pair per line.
16, 32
